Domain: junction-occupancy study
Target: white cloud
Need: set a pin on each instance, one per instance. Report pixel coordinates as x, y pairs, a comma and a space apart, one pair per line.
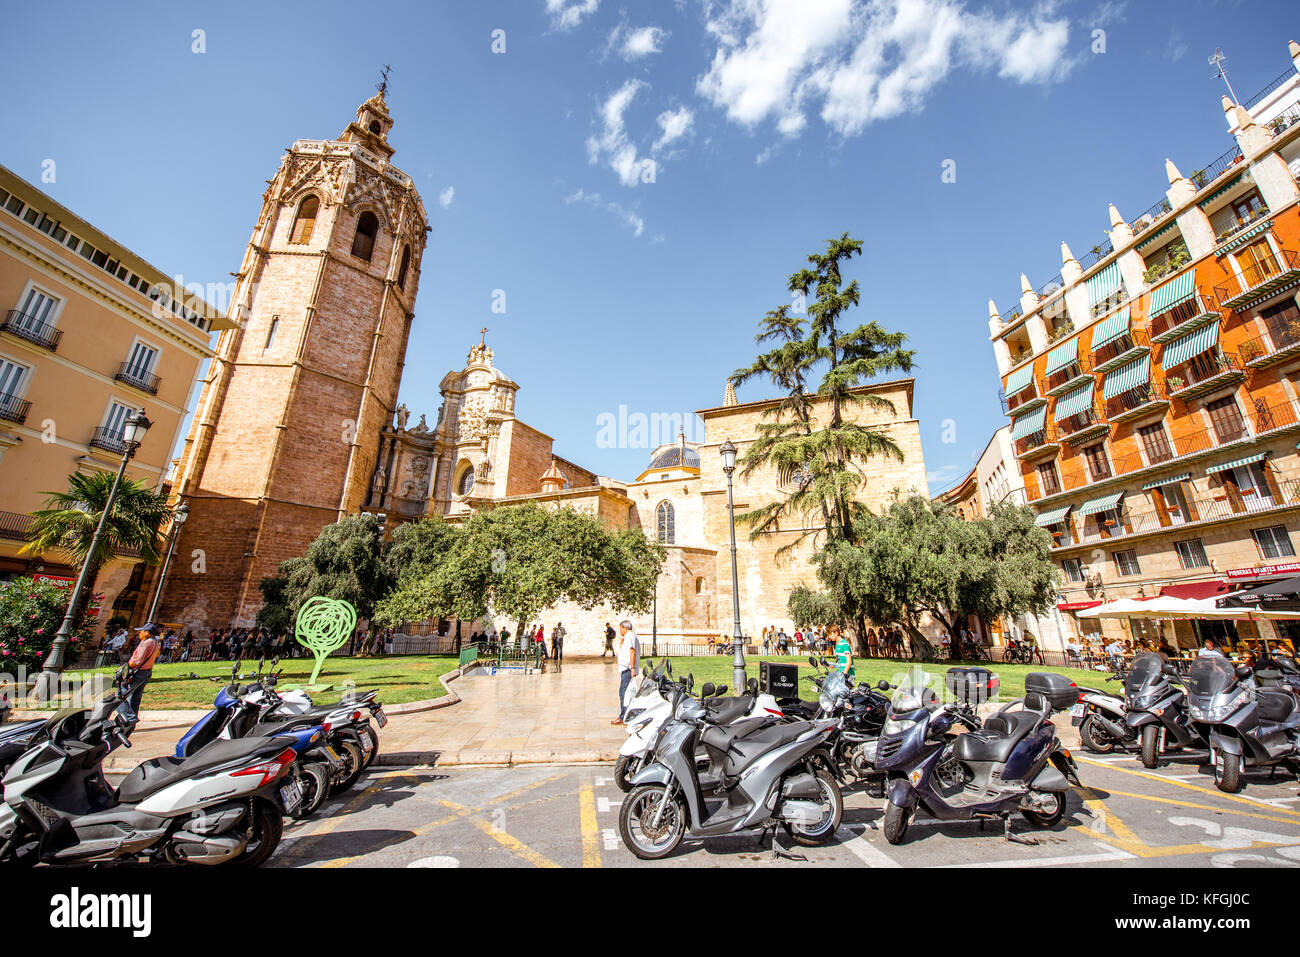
567, 14
941, 475
865, 60
643, 42
626, 216
612, 143
446, 196
674, 124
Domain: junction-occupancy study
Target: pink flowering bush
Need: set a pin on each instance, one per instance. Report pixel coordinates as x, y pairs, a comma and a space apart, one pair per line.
31, 610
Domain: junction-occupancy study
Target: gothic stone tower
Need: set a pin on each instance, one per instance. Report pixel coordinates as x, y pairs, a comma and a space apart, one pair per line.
287, 427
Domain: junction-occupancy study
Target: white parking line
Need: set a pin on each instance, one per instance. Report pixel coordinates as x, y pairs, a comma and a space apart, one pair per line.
603, 805
611, 839
863, 849
1109, 854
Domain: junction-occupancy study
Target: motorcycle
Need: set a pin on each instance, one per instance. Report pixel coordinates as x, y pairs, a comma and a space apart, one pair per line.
765, 775
1010, 762
349, 713
1157, 709
15, 737
1247, 726
221, 805
647, 707
862, 712
1102, 720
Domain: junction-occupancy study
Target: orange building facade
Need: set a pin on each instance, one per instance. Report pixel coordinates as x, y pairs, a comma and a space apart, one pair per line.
1153, 387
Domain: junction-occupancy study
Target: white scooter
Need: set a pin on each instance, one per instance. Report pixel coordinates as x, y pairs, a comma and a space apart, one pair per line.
646, 706
1101, 718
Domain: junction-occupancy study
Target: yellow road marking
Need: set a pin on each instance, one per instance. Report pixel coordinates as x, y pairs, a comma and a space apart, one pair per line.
456, 815
590, 828
513, 844
1202, 807
528, 787
307, 837
1122, 837
1184, 784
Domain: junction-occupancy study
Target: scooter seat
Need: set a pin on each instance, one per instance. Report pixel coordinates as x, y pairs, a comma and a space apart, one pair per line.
994, 741
727, 710
1275, 705
746, 747
156, 774
720, 738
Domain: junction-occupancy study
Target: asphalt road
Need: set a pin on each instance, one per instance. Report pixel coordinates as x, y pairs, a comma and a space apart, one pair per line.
567, 816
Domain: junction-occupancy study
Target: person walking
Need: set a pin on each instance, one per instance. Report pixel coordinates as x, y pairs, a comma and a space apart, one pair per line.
609, 641
139, 669
557, 640
539, 639
843, 655
629, 651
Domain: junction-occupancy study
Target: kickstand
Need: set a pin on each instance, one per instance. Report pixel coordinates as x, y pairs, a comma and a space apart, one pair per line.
779, 854
1015, 838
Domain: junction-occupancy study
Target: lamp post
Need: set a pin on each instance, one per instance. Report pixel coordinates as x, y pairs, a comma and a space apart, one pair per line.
654, 623
728, 451
179, 516
47, 682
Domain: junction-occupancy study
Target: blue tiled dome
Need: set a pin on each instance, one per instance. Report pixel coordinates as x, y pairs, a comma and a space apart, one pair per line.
672, 458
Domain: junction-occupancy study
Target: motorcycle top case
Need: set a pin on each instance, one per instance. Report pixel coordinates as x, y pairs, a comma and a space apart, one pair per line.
972, 685
1060, 691
780, 681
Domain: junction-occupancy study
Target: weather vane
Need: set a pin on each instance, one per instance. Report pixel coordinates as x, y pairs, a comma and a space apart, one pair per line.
383, 82
1217, 61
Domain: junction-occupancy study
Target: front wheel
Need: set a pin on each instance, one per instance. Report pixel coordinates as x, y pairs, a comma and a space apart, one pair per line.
832, 803
264, 831
1094, 738
1227, 771
353, 764
896, 821
626, 768
646, 839
1055, 802
1150, 745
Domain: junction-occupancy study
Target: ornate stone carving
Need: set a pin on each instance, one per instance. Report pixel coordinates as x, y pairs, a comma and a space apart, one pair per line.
473, 419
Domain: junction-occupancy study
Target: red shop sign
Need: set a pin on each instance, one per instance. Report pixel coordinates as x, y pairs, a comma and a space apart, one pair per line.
1265, 571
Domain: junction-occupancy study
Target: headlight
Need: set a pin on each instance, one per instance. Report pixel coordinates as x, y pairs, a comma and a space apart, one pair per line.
641, 724
897, 725
1218, 712
826, 702
632, 714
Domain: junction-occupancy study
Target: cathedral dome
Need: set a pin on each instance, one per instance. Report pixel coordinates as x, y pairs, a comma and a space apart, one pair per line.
676, 457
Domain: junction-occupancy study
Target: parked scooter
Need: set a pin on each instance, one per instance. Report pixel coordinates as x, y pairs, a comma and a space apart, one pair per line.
221, 805
1010, 762
767, 775
15, 737
1102, 720
1247, 726
1157, 709
353, 711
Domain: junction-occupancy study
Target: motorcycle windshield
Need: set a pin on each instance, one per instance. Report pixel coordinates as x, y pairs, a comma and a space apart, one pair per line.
908, 698
1145, 672
1210, 675
833, 686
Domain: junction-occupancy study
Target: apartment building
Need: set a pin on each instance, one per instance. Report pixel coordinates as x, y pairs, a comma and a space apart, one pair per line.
1152, 385
88, 333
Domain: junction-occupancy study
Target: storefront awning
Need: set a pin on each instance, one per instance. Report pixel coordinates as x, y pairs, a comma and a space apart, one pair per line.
1104, 284
1245, 237
1062, 356
1053, 517
1101, 503
1179, 289
1126, 377
1029, 423
1110, 329
1017, 381
1190, 345
1166, 481
1248, 460
1208, 589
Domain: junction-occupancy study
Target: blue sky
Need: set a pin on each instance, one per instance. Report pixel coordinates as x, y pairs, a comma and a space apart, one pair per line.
640, 178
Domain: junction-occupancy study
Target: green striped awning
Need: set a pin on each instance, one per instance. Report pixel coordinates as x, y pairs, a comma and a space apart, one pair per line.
1147, 241
1053, 517
1062, 356
1179, 289
1029, 423
1166, 481
1072, 403
1130, 376
1101, 503
1192, 344
1020, 378
1108, 330
1248, 460
1245, 237
1104, 284
1221, 190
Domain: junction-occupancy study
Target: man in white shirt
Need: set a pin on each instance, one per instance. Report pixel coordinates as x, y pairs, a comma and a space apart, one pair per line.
629, 651
1209, 648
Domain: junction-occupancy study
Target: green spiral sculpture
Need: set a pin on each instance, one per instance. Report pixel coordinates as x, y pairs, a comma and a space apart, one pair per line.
324, 625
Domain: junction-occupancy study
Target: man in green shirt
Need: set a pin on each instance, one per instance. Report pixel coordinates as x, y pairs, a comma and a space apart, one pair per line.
843, 655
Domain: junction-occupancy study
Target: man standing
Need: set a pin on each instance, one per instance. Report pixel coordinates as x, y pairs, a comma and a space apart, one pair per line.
139, 671
609, 641
629, 650
557, 641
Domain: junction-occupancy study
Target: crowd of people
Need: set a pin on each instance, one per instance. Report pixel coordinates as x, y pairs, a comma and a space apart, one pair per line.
231, 644
533, 640
885, 641
1117, 654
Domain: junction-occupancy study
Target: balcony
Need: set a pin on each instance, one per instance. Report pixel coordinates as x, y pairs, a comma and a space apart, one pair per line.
30, 329
1038, 443
1204, 373
1082, 426
1184, 317
1226, 236
107, 439
1022, 401
1136, 402
13, 409
1070, 377
138, 378
1281, 342
15, 526
1120, 351
1149, 217
1260, 279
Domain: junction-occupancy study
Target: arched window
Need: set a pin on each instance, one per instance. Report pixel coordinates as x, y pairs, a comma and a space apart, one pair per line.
375, 127
664, 523
305, 221
406, 264
465, 484
363, 243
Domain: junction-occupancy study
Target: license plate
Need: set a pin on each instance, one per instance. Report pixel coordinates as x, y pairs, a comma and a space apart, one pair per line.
1078, 710
291, 794
381, 719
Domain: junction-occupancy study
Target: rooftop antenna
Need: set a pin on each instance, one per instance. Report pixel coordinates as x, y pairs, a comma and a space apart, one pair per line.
382, 86
1217, 62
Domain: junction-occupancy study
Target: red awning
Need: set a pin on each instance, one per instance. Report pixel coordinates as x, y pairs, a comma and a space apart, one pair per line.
1196, 590
1077, 605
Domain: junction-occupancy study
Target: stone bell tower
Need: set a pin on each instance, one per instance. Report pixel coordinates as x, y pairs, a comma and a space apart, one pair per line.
285, 434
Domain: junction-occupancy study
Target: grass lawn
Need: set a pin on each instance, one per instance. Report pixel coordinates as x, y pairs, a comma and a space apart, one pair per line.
717, 668
397, 679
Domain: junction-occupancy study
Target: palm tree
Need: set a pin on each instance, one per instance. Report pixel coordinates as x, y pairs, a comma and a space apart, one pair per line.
68, 522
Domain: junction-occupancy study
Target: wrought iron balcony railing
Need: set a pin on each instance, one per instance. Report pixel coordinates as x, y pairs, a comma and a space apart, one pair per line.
27, 327
14, 409
141, 379
108, 439
1259, 279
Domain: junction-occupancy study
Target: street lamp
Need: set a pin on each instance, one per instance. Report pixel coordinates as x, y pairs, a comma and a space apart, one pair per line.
728, 451
47, 682
179, 516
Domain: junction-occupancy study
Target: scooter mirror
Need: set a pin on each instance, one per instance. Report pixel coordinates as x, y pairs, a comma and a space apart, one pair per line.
707, 690
752, 686
883, 686
719, 691
812, 660
1244, 671
1168, 669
